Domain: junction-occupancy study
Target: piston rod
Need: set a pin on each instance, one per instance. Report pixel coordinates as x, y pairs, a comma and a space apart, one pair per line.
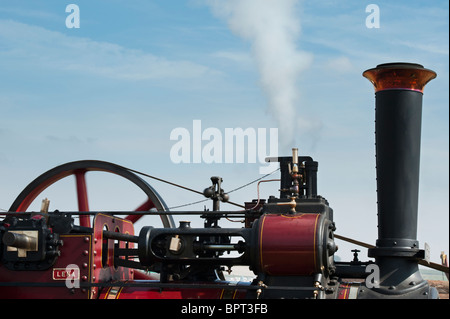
20, 241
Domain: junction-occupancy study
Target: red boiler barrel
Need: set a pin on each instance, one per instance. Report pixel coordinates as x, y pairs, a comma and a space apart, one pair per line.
294, 244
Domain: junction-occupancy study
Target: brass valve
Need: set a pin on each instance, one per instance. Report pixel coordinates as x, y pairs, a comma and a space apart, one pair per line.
292, 204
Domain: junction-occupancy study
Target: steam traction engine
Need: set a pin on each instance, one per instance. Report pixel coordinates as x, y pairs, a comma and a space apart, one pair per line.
288, 241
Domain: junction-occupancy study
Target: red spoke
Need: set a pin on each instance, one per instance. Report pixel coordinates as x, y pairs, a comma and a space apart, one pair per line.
83, 204
144, 207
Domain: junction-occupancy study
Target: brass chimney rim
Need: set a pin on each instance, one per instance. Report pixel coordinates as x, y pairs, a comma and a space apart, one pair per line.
399, 75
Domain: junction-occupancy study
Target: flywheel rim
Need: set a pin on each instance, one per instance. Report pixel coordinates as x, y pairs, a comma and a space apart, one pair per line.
43, 181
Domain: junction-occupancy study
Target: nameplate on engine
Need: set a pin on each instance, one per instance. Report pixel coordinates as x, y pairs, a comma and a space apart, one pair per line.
72, 273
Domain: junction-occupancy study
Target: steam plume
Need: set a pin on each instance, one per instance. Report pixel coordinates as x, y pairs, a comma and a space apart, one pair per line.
273, 29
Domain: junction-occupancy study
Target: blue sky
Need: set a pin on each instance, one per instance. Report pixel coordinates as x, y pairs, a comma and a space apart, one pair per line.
116, 87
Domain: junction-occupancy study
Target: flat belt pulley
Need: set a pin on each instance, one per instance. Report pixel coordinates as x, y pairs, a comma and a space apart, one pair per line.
79, 170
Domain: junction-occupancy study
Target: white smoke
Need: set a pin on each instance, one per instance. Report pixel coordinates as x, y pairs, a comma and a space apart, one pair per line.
273, 29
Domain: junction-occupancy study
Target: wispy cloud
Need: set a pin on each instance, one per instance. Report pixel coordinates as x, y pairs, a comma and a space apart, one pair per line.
32, 45
242, 58
433, 48
418, 31
30, 13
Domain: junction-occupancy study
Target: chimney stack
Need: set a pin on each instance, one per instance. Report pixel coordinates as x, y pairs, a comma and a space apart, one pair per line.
398, 116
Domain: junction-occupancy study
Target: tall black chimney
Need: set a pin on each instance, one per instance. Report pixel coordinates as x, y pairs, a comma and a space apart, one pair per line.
398, 116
